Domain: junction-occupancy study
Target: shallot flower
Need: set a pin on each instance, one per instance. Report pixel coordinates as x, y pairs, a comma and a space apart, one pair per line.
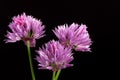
74, 36
25, 28
54, 56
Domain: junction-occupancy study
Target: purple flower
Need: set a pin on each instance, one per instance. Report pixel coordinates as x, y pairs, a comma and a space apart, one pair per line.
25, 28
54, 56
74, 36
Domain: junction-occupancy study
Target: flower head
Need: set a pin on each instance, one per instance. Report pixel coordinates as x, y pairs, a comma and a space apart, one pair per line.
54, 56
25, 28
74, 36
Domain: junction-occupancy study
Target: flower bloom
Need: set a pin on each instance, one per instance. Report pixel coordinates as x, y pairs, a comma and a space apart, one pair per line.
74, 36
54, 56
25, 28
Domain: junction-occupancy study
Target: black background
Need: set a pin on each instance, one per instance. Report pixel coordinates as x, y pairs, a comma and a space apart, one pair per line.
102, 19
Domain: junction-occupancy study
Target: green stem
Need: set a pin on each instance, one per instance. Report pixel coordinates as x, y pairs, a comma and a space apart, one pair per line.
57, 74
53, 76
30, 60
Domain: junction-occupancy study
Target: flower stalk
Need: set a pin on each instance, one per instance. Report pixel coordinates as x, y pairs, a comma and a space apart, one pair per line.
30, 60
53, 76
56, 75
